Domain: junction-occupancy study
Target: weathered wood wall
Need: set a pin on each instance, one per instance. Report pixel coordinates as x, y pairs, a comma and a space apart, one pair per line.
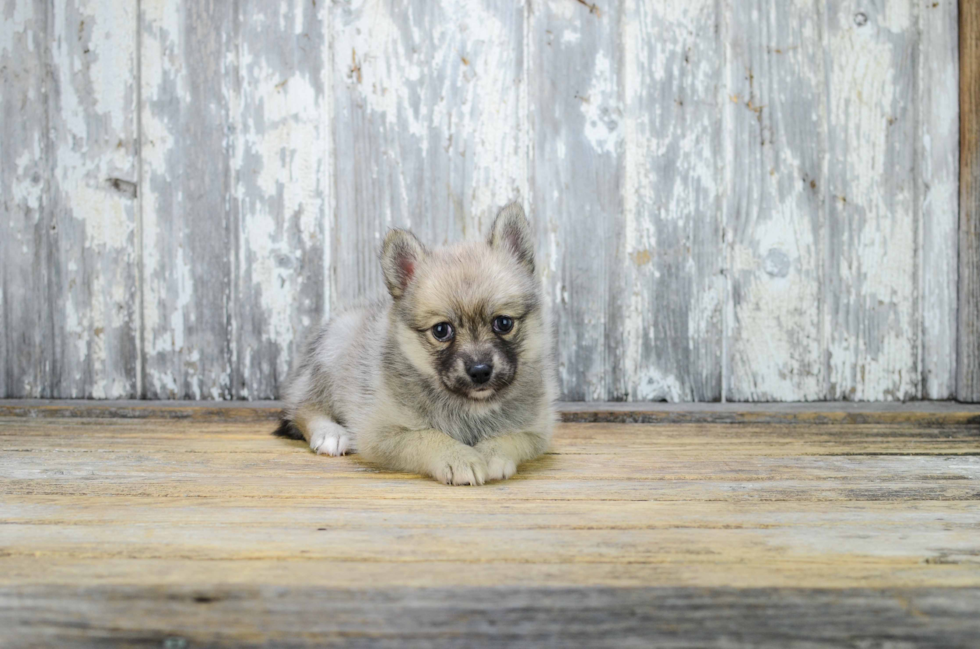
743, 201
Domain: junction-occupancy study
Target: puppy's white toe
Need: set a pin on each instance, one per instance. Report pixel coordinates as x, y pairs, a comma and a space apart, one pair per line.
500, 468
329, 438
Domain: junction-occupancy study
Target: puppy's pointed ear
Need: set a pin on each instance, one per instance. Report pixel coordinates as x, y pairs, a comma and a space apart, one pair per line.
512, 233
400, 257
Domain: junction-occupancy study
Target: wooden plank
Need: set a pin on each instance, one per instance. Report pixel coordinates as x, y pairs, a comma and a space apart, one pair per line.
93, 196
24, 176
576, 106
937, 142
871, 233
361, 514
968, 330
70, 288
932, 413
188, 79
283, 186
775, 200
674, 254
109, 436
429, 126
339, 536
563, 617
96, 458
251, 572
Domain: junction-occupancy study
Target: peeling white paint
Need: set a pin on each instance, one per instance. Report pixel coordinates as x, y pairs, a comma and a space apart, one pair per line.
875, 267
602, 108
938, 134
646, 145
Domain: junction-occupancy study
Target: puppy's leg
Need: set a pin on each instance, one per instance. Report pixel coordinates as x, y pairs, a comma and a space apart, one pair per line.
504, 452
308, 413
428, 452
326, 437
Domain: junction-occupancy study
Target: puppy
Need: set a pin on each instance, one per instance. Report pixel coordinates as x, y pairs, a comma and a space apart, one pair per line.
451, 377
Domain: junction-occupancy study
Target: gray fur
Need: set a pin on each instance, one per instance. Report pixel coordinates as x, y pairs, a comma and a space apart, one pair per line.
377, 379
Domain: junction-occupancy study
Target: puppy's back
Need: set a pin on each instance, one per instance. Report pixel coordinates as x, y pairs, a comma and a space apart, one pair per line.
340, 366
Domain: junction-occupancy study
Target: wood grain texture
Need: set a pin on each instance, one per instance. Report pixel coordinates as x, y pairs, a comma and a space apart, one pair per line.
189, 78
283, 187
871, 233
681, 617
749, 201
69, 288
237, 175
968, 331
577, 156
775, 207
24, 174
937, 141
672, 254
428, 124
93, 126
121, 532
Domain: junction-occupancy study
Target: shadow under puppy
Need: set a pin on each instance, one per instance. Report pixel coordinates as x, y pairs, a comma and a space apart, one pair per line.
453, 377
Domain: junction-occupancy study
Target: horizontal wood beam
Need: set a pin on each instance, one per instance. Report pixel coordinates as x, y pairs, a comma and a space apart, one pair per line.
917, 412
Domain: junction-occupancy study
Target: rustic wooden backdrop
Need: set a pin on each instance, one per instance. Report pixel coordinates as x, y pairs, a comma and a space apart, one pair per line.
735, 199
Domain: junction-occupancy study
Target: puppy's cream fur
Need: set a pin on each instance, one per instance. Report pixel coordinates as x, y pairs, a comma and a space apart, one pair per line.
378, 380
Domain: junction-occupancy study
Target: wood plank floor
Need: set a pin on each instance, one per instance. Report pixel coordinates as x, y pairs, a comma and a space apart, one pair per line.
185, 533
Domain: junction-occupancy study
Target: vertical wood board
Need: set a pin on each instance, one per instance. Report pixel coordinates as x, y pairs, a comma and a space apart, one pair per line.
937, 142
576, 104
871, 229
92, 109
775, 200
24, 182
282, 187
672, 252
189, 77
968, 331
69, 291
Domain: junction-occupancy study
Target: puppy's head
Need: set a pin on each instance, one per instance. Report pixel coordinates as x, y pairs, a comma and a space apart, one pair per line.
467, 316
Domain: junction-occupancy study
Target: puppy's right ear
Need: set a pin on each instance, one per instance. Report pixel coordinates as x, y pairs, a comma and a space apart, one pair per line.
400, 257
512, 233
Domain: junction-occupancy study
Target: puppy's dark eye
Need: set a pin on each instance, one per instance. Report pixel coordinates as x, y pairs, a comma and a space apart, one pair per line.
503, 324
443, 332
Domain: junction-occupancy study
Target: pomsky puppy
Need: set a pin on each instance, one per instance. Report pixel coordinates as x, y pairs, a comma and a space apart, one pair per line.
452, 377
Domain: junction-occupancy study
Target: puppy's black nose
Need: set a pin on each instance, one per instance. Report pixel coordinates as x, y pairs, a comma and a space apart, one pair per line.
480, 373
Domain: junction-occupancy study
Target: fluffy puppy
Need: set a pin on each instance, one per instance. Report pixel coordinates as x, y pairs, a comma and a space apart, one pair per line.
451, 377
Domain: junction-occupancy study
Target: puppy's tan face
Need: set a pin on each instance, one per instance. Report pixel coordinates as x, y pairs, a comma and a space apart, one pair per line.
467, 316
474, 314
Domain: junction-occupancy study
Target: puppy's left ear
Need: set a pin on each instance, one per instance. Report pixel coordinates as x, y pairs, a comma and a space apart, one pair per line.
512, 233
401, 254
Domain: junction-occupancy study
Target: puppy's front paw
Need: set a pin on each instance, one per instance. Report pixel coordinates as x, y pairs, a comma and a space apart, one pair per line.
460, 466
329, 438
500, 467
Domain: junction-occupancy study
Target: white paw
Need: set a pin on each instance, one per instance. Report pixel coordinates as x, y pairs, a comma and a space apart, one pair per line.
329, 438
500, 467
461, 466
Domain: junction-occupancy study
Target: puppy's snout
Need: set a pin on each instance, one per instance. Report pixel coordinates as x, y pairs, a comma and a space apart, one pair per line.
479, 373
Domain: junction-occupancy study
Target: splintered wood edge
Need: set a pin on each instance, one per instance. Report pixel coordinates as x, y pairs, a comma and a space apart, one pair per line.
925, 413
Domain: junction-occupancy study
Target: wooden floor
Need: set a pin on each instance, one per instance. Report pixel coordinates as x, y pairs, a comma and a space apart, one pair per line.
187, 533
